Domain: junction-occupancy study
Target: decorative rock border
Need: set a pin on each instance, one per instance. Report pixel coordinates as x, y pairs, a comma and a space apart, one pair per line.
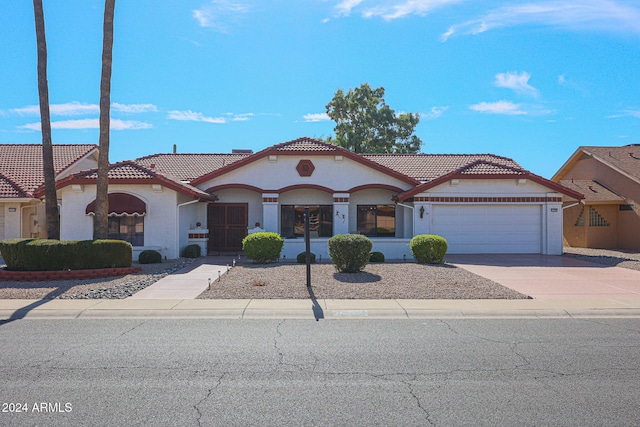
36, 276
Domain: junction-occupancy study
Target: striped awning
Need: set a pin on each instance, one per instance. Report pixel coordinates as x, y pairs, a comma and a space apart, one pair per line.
121, 204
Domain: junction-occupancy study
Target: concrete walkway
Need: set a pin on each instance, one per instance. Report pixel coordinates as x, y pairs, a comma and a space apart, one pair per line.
189, 282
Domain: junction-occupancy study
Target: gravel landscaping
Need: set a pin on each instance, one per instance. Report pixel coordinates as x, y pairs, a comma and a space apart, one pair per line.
377, 281
119, 287
618, 258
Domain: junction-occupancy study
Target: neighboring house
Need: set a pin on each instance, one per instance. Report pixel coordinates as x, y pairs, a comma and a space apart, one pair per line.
22, 214
480, 203
609, 178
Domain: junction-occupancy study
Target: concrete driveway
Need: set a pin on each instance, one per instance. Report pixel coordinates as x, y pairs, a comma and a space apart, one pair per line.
552, 277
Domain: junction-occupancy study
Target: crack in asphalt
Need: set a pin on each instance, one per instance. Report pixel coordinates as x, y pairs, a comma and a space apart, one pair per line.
205, 398
64, 351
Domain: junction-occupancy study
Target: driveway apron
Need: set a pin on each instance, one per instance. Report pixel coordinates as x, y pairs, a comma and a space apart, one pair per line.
552, 276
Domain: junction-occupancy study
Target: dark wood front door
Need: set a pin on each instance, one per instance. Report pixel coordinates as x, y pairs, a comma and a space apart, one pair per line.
228, 224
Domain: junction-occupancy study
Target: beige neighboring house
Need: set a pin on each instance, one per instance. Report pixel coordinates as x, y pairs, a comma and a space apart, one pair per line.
22, 214
609, 178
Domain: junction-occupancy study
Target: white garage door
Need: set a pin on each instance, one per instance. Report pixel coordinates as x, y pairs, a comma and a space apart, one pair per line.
489, 228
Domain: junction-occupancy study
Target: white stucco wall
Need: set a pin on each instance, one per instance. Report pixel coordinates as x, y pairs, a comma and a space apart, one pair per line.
159, 225
11, 220
551, 212
337, 175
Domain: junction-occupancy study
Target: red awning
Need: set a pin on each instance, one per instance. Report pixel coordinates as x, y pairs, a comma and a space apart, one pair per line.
121, 204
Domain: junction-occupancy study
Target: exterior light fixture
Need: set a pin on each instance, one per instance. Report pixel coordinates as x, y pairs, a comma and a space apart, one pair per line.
421, 212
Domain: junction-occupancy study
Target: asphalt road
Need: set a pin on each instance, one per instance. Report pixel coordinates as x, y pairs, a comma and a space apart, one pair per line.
567, 372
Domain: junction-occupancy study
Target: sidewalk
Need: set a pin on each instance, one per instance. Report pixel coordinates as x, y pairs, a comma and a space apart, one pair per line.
316, 309
561, 287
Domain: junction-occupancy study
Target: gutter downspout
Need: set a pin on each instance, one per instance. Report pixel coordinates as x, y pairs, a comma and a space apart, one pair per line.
178, 224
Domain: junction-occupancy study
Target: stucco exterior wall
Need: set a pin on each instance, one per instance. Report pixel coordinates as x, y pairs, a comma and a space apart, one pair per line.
11, 219
160, 232
624, 231
334, 174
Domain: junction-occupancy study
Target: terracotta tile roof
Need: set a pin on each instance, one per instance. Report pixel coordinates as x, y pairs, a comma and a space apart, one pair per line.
9, 189
305, 144
187, 167
592, 191
626, 158
121, 170
426, 167
22, 163
129, 172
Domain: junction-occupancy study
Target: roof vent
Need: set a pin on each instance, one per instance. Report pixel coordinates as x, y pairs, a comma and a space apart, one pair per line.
241, 151
152, 166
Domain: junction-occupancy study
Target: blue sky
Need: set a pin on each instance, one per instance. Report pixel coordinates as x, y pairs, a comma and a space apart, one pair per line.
531, 80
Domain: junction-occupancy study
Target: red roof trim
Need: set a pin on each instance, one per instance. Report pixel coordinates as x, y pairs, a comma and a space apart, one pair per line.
154, 178
375, 187
216, 188
458, 174
16, 187
278, 151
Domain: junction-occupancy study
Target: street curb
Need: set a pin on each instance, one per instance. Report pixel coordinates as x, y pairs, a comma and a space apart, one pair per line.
11, 310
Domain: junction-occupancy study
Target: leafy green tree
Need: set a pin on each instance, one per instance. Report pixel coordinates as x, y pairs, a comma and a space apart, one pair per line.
366, 124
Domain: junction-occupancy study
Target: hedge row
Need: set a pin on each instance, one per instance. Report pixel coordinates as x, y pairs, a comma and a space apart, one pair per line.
54, 255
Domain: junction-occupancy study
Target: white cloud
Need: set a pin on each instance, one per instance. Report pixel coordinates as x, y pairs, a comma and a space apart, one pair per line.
218, 14
498, 107
516, 82
192, 116
345, 6
115, 124
435, 112
75, 108
625, 113
134, 108
607, 15
316, 117
390, 10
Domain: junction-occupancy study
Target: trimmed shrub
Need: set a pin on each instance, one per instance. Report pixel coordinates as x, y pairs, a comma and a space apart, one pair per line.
263, 247
349, 252
302, 258
55, 255
428, 248
376, 257
192, 251
150, 257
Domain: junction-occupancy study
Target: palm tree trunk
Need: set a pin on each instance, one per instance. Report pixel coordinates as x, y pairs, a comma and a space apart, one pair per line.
51, 198
101, 220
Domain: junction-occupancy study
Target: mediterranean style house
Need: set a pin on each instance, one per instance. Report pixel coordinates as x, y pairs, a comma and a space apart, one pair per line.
609, 178
480, 203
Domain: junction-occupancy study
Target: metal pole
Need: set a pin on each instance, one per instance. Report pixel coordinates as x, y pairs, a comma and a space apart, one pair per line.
307, 243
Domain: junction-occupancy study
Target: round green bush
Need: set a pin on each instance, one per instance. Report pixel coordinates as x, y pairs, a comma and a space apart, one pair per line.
428, 248
263, 247
192, 251
149, 257
302, 258
376, 257
349, 252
